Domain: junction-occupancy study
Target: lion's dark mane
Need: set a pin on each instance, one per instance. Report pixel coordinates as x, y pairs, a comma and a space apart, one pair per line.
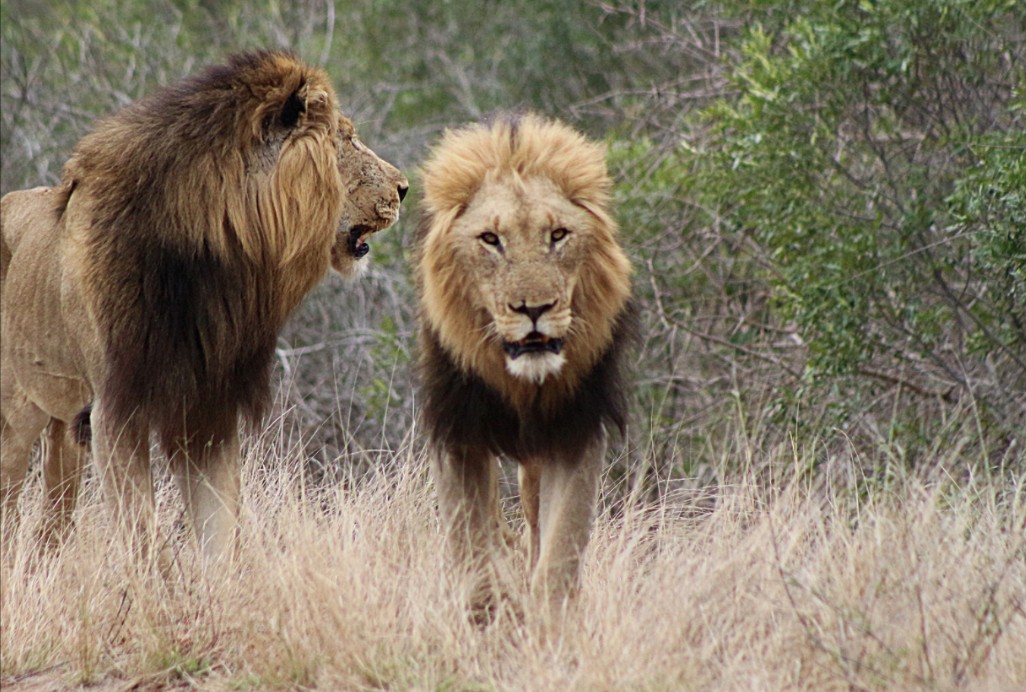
188, 329
461, 411
187, 347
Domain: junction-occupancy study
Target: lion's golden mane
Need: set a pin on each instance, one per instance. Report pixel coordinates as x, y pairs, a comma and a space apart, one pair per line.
470, 396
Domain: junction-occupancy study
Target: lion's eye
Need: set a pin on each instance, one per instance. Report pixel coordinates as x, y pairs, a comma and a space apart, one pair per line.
489, 238
558, 234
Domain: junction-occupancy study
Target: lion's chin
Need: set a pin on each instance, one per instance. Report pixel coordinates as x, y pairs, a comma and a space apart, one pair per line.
535, 367
349, 254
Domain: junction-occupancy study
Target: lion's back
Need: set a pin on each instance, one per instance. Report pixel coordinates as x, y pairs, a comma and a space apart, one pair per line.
23, 212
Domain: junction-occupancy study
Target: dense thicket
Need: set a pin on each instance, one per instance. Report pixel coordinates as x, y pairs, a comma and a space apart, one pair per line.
825, 201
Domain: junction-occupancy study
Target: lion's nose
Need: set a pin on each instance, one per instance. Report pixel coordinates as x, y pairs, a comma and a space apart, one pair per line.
532, 311
403, 189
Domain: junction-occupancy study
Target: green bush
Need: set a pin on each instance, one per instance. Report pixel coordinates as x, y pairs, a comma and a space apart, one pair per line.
874, 153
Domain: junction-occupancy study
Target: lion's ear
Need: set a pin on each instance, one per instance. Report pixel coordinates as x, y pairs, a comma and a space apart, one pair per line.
293, 108
281, 118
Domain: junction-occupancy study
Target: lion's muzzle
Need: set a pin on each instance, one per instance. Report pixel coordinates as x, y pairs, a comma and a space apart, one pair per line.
530, 327
535, 342
387, 214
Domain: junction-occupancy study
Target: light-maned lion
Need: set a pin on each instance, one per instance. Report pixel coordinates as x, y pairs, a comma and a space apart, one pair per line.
153, 282
525, 319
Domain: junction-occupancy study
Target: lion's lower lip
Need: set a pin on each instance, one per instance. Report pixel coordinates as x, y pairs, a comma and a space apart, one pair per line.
534, 343
358, 240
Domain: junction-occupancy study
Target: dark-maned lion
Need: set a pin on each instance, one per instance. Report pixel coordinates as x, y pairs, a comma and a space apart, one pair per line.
525, 317
154, 280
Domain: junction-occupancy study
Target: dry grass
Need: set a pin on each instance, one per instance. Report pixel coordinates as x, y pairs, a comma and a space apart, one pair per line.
345, 587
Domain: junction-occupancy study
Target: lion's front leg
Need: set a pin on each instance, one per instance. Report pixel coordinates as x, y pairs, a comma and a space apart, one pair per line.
568, 495
209, 478
121, 453
466, 480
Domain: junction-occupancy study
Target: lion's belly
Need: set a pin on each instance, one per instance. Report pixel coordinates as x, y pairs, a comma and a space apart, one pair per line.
37, 348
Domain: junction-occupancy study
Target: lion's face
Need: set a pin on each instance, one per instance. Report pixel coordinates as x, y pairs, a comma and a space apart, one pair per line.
374, 189
525, 244
521, 272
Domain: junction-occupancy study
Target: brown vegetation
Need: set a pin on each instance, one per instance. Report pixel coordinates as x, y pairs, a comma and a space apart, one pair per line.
919, 586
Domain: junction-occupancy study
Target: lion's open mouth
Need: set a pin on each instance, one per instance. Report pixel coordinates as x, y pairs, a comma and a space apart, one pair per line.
535, 342
358, 236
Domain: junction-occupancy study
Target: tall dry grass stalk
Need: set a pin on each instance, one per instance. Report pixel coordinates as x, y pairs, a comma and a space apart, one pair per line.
916, 586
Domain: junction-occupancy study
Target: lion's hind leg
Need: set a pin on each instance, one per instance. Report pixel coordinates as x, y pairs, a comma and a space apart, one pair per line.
21, 423
529, 480
63, 463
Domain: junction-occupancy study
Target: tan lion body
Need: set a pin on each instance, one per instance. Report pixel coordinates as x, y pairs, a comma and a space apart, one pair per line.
525, 316
152, 283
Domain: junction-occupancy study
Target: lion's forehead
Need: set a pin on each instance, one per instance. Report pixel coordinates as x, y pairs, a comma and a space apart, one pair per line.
522, 211
358, 159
